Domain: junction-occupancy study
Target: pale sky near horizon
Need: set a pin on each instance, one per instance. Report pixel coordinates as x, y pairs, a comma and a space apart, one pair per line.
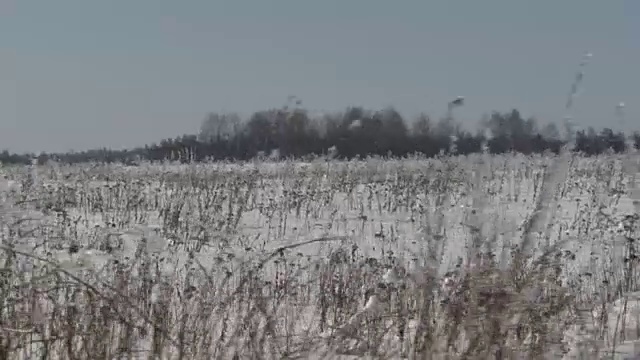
80, 74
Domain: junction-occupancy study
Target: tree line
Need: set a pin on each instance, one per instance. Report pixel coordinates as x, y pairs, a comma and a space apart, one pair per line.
290, 132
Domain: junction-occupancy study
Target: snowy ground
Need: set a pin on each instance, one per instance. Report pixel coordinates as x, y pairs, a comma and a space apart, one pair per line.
389, 210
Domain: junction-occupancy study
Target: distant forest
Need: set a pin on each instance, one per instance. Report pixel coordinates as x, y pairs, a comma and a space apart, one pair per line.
289, 132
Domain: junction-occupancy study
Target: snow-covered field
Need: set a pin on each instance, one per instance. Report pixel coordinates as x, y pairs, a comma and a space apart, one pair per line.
475, 257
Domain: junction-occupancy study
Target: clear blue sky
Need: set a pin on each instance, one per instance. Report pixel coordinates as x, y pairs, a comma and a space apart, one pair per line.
78, 74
